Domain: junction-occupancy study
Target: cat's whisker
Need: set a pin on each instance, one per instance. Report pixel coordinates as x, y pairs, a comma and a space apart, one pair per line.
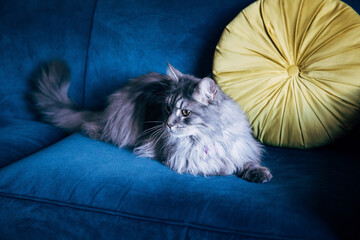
156, 133
161, 135
149, 130
157, 130
145, 133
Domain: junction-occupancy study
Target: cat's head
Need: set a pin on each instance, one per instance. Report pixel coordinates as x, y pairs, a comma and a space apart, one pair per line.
189, 107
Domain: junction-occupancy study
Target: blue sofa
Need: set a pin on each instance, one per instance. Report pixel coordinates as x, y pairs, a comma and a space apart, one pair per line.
59, 186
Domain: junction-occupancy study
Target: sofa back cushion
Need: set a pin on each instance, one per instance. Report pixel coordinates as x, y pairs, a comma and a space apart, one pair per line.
131, 38
31, 32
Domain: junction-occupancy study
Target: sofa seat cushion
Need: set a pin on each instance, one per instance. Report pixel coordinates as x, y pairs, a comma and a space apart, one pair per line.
20, 138
86, 189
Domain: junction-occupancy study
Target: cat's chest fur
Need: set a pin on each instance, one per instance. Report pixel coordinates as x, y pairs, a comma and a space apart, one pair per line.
216, 154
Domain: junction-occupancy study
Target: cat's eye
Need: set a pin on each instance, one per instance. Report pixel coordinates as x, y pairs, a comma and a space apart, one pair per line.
167, 109
185, 112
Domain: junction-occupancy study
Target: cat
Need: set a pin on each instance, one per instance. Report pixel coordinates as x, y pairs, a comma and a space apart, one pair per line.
188, 124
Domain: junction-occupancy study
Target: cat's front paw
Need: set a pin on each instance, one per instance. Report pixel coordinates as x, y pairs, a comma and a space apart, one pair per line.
256, 174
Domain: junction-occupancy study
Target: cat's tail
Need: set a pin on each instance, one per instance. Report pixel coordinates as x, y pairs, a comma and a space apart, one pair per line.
51, 99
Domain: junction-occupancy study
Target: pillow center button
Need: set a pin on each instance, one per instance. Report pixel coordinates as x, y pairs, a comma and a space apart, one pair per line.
293, 71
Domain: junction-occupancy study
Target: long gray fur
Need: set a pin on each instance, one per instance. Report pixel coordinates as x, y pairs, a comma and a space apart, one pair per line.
147, 115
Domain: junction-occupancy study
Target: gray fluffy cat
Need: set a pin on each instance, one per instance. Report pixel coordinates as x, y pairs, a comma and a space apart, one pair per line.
187, 123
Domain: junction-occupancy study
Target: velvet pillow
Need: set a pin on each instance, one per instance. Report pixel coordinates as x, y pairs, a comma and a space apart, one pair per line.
294, 68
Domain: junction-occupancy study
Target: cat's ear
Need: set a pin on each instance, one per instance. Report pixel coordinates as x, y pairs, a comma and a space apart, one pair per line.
205, 91
173, 73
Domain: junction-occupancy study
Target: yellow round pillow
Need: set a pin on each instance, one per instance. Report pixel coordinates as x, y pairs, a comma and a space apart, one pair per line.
294, 68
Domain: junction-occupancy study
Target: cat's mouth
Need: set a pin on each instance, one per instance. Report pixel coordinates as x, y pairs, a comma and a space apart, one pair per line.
180, 132
176, 130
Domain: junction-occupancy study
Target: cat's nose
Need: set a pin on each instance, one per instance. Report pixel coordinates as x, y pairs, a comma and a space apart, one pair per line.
170, 125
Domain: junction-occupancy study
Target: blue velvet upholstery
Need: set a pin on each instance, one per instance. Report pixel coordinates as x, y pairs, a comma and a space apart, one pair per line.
31, 32
85, 189
83, 183
34, 31
79, 188
132, 38
19, 138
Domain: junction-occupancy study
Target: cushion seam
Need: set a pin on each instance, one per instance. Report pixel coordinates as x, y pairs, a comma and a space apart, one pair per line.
143, 218
87, 53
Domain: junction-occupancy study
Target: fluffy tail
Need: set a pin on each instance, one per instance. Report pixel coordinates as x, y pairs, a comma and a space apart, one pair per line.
51, 100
